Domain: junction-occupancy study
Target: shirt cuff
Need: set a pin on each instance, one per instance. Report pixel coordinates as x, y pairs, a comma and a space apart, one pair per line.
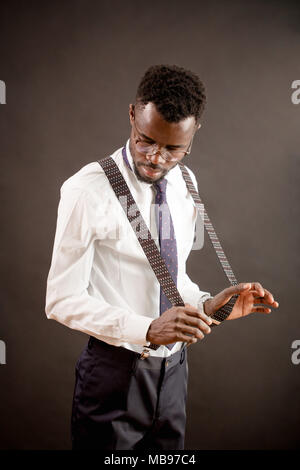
204, 296
135, 330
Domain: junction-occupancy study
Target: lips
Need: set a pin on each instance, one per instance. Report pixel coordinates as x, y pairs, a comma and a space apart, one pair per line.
150, 171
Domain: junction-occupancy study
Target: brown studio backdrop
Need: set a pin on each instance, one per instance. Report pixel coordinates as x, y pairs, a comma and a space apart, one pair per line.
71, 68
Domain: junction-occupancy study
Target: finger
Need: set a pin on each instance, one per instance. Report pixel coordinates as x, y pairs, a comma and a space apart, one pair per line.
185, 329
194, 325
268, 299
258, 288
189, 308
261, 310
261, 300
192, 341
193, 311
200, 315
187, 339
238, 289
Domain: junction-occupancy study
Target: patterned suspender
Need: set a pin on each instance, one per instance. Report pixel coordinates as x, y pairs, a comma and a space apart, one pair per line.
223, 313
141, 230
147, 243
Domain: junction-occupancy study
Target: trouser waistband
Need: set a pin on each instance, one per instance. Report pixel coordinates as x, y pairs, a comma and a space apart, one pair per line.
127, 358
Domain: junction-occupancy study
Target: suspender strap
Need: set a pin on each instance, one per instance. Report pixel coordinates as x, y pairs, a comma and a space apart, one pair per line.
208, 225
137, 221
224, 311
148, 245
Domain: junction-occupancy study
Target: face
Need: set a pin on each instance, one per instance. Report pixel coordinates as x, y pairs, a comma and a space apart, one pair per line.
148, 125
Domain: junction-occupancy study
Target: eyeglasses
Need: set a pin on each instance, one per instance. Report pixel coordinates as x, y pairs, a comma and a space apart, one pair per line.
152, 149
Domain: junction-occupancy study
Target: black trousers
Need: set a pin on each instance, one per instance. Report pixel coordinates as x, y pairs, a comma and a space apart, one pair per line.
124, 402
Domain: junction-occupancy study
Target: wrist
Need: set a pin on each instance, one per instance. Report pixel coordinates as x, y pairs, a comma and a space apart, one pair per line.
150, 345
148, 334
151, 331
209, 310
207, 307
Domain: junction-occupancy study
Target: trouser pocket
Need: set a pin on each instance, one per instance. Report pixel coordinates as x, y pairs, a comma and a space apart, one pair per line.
103, 377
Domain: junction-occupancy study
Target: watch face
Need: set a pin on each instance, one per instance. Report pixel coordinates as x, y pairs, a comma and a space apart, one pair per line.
201, 302
205, 297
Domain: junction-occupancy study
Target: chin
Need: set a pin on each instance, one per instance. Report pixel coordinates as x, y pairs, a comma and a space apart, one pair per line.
148, 179
144, 179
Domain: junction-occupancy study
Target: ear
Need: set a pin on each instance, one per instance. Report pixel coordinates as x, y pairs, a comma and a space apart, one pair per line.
198, 127
131, 113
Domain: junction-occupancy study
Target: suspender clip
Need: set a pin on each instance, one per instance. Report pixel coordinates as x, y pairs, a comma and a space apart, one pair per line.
145, 354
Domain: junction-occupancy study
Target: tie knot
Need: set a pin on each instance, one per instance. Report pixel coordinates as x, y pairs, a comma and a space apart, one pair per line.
160, 186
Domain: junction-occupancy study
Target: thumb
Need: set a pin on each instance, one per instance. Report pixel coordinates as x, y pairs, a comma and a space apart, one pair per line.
239, 288
235, 290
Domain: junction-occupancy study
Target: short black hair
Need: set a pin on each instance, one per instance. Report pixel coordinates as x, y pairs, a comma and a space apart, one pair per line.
176, 92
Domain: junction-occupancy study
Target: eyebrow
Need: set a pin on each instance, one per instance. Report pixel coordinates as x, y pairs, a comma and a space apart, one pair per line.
167, 146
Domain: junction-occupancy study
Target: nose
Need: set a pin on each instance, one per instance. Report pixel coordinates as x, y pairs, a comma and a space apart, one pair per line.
155, 158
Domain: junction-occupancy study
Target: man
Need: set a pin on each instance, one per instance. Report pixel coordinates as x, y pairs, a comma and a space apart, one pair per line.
101, 283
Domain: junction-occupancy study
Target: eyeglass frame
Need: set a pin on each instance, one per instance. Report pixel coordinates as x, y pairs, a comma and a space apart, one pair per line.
186, 152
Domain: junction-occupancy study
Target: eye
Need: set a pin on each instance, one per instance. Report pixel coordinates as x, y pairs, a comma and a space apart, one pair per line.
149, 141
174, 149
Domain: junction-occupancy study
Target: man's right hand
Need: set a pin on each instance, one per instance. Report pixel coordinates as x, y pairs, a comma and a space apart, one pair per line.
185, 324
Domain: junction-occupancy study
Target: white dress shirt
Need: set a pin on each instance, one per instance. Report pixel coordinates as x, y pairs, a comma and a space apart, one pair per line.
100, 281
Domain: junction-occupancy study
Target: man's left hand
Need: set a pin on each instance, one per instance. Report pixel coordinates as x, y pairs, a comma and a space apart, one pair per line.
251, 296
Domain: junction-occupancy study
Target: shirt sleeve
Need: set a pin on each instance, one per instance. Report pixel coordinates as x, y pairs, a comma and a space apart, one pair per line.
67, 298
190, 292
